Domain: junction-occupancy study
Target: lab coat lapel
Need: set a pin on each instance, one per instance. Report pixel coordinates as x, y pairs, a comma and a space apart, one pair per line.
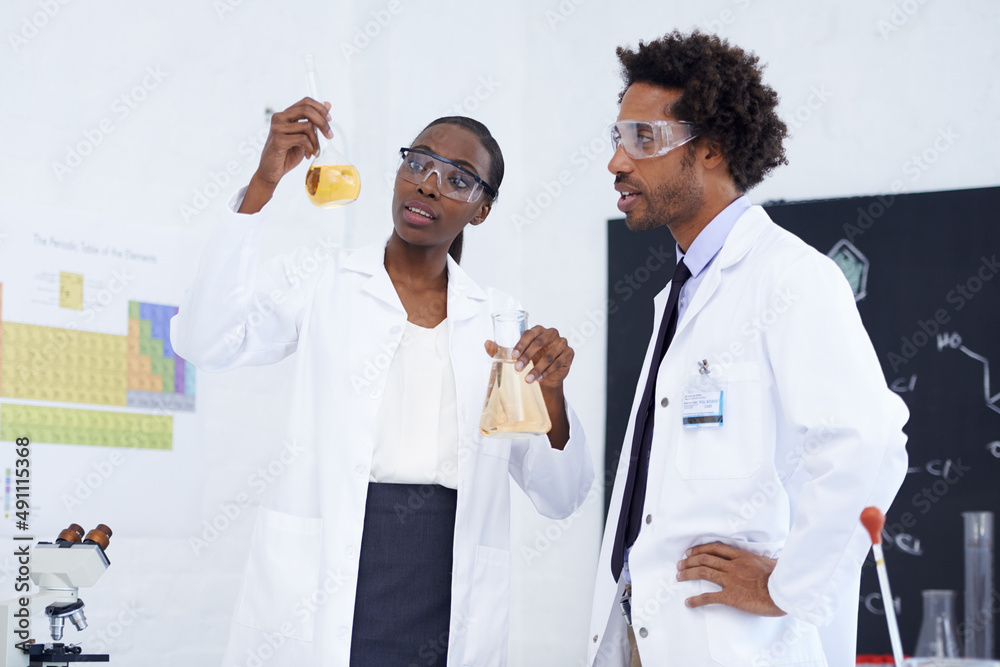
370, 260
464, 295
742, 237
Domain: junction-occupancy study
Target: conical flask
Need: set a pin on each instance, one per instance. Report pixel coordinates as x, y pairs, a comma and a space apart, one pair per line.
937, 638
331, 180
513, 408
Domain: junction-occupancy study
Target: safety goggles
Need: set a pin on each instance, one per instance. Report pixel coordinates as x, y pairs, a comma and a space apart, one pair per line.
453, 181
650, 138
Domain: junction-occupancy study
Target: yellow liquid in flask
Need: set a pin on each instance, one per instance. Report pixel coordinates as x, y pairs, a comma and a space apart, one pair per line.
331, 185
514, 408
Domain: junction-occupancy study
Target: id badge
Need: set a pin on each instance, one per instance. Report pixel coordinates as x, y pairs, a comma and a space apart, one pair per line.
703, 399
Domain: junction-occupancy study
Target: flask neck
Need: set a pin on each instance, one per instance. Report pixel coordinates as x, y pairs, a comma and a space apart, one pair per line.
938, 602
504, 354
328, 154
507, 331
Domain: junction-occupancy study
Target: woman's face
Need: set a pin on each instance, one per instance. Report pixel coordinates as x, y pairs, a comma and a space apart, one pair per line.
448, 216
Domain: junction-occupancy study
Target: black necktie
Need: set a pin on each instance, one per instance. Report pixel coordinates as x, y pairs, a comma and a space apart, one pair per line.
638, 468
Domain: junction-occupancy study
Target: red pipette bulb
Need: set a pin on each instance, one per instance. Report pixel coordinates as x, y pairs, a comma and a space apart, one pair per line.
873, 520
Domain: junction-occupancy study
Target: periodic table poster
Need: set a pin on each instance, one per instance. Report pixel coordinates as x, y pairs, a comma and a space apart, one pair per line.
88, 375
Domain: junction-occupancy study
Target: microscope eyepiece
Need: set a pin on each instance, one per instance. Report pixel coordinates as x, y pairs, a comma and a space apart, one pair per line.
101, 536
72, 534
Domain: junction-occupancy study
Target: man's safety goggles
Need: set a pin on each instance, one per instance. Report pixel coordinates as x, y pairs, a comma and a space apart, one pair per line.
453, 181
650, 138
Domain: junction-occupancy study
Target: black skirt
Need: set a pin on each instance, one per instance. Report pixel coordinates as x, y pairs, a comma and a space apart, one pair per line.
403, 605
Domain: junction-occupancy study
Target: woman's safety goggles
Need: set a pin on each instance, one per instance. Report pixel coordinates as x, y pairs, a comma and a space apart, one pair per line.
650, 138
453, 181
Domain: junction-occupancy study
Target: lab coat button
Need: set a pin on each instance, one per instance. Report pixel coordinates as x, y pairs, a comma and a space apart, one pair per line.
394, 330
595, 639
374, 393
350, 551
643, 632
342, 632
359, 470
649, 518
664, 401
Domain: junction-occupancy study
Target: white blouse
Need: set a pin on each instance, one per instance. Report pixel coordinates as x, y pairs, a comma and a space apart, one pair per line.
416, 432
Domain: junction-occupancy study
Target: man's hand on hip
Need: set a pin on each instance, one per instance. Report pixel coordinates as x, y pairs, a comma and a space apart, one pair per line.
743, 576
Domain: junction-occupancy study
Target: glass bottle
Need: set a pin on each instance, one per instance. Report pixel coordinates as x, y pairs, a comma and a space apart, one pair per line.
937, 632
978, 624
513, 407
331, 180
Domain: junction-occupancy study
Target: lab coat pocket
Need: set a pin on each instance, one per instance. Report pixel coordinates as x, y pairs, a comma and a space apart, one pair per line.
489, 606
739, 638
736, 449
282, 571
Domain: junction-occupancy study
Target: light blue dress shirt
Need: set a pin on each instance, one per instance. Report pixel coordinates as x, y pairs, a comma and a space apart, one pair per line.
705, 247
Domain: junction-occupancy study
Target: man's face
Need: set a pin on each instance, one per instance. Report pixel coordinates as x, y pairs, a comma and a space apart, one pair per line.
656, 191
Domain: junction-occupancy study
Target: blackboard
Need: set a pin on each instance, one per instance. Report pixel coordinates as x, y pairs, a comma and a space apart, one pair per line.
925, 271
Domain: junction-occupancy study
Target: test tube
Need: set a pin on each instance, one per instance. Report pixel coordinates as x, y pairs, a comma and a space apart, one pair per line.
978, 584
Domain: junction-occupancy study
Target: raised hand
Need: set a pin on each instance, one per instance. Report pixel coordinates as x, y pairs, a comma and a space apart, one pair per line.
292, 138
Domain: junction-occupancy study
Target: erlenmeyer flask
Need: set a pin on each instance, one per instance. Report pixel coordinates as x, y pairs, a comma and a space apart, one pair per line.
937, 637
513, 408
331, 180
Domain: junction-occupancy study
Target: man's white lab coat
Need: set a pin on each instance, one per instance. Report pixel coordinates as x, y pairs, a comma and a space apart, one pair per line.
338, 311
811, 436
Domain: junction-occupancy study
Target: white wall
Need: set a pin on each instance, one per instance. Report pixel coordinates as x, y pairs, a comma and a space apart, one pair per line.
866, 84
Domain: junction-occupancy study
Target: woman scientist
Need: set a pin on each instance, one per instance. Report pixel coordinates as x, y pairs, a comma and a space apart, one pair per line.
386, 541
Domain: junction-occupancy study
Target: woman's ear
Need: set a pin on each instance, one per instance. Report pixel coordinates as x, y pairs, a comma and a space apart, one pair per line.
484, 210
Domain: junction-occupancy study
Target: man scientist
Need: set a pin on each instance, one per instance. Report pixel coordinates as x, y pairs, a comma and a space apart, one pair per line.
762, 424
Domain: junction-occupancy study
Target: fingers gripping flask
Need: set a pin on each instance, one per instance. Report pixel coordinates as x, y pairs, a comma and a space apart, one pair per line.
331, 180
513, 407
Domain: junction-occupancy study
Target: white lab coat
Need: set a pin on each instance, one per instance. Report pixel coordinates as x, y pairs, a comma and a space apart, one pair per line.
339, 312
811, 436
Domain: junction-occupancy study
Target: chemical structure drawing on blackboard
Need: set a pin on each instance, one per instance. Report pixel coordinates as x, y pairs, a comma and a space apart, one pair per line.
992, 400
954, 341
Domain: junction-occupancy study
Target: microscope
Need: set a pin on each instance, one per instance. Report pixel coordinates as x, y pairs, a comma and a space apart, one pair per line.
59, 569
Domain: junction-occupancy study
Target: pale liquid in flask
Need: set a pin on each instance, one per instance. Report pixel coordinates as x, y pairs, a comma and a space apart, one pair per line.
330, 185
514, 408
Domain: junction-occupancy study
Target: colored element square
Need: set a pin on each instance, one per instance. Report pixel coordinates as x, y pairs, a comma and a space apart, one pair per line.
71, 290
